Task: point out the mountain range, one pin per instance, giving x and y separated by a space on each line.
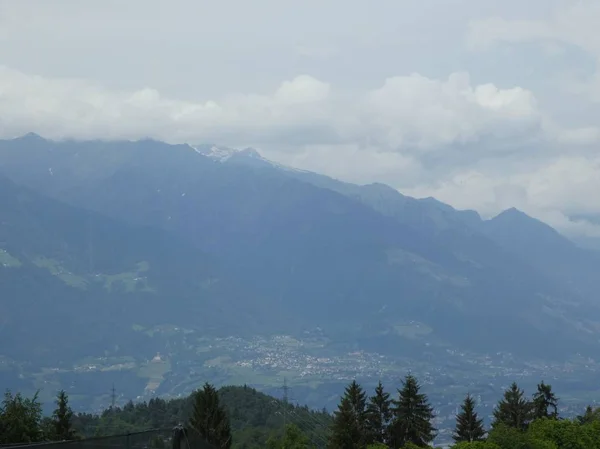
99 239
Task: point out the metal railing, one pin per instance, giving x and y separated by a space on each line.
147 439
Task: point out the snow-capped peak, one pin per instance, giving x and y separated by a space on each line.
231 155
220 154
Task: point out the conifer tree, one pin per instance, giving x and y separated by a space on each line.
589 416
210 419
469 427
545 402
412 416
62 419
349 428
513 410
379 415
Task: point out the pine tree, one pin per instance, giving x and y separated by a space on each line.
412 416
589 416
349 428
543 400
209 419
514 410
62 419
379 416
469 427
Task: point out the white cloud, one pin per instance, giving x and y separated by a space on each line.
415 111
410 112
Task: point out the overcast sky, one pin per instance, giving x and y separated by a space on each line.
483 104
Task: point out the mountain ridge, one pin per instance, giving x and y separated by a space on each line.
265 221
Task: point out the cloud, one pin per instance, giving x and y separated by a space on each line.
573 23
406 114
60 108
418 112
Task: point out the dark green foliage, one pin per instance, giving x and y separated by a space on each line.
588 416
293 438
254 417
349 428
476 445
564 433
345 433
469 427
379 415
514 410
545 402
20 419
507 437
62 419
412 416
20 422
209 418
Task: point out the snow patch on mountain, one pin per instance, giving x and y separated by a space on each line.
232 155
217 153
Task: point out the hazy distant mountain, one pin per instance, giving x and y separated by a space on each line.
353 260
545 249
464 232
74 283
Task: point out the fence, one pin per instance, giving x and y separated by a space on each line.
149 439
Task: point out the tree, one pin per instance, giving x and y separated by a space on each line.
412 416
349 428
209 419
20 419
62 419
589 416
514 410
507 437
543 400
476 445
469 427
379 415
564 433
293 438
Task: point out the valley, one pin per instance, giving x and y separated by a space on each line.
314 368
154 268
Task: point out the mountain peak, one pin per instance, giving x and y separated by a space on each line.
250 152
214 152
514 215
31 136
515 224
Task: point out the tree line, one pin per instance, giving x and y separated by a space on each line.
360 421
519 422
241 415
21 420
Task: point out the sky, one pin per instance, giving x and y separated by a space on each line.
482 104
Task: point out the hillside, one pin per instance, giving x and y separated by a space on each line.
77 285
255 417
